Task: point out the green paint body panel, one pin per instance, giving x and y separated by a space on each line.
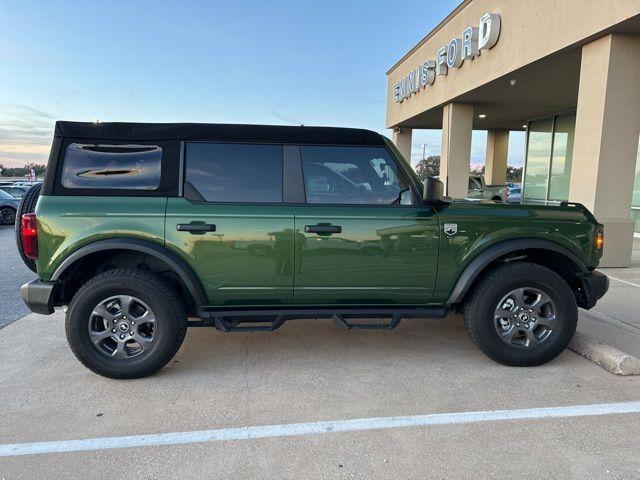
260 255
384 255
248 260
66 223
483 224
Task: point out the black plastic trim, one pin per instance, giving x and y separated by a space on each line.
196 227
219 132
494 252
293 181
595 285
269 319
38 296
191 194
179 266
49 180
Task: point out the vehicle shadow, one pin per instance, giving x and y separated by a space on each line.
320 340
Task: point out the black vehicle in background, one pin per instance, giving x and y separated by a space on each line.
14 190
8 207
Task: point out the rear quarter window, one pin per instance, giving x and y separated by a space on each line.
102 166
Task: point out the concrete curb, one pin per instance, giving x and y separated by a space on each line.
610 358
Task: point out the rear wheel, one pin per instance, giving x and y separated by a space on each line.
521 314
27 205
126 323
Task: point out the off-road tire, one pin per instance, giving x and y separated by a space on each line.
166 304
481 303
27 205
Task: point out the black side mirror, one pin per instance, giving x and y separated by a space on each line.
433 191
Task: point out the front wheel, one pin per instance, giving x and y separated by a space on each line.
125 323
521 314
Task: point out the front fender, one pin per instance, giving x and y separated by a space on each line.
481 226
473 268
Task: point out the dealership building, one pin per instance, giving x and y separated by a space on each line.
565 71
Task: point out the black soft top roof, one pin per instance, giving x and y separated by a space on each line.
217 132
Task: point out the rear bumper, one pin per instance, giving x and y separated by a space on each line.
38 296
595 285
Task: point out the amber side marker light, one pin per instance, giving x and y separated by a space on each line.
600 237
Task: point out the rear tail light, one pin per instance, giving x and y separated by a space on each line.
30 235
599 240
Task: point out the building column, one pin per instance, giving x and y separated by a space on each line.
457 125
606 140
402 140
495 170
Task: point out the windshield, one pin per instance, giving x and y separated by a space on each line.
4 194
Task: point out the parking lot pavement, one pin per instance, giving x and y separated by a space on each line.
311 371
614 320
13 274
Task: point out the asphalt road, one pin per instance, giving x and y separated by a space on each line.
13 274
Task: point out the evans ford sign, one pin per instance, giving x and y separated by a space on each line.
473 41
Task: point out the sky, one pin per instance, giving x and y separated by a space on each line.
273 62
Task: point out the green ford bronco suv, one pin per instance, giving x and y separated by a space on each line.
141 230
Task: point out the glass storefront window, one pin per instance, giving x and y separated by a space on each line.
561 158
635 199
536 177
548 159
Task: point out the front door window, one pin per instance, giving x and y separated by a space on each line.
352 176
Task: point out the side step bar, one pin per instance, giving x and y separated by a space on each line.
268 320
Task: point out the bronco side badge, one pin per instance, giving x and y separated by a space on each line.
450 228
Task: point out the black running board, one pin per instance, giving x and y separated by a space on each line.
268 320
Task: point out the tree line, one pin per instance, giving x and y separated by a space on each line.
430 167
39 170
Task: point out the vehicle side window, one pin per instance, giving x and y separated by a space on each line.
352 175
474 184
130 167
238 173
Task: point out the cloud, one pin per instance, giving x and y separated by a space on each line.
280 116
29 112
25 134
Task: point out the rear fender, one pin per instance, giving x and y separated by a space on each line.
178 265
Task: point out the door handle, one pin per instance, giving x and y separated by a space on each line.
322 228
196 227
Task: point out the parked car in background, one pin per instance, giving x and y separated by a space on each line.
26 183
515 194
478 189
8 207
14 191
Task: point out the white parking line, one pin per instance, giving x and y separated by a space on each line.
298 429
624 281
